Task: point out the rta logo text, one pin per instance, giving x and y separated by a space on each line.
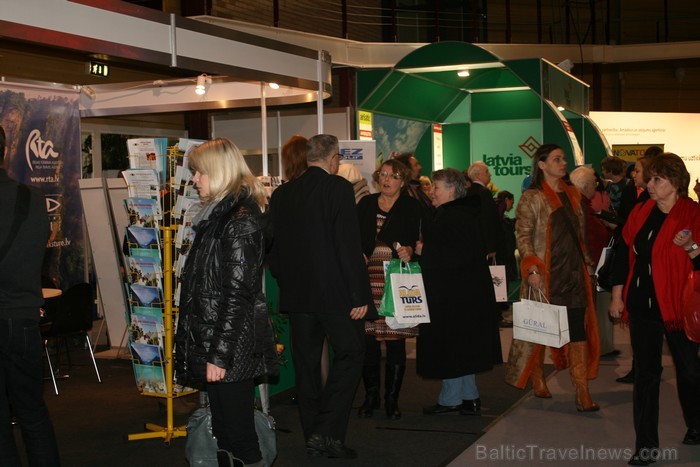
52 204
530 147
38 148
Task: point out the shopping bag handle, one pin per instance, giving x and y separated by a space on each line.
541 295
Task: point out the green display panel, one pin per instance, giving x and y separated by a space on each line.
507 148
528 70
445 54
286 378
563 89
554 133
456 146
513 105
366 81
424 151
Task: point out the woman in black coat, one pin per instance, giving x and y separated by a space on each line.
462 337
224 338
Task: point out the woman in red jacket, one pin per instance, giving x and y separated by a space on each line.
654 263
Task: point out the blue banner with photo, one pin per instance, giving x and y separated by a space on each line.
42 125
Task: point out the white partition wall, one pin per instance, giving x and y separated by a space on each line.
675 132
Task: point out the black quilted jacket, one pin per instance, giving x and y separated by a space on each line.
223 315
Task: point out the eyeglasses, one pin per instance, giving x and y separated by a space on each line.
340 156
394 175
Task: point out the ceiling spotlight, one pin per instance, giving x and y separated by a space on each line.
274 85
560 108
202 82
463 73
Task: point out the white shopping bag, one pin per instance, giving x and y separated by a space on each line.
500 284
540 323
410 302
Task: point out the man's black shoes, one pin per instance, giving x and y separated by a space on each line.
471 407
318 445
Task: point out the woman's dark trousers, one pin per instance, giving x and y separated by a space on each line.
232 419
647 341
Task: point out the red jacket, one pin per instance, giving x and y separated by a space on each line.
672 265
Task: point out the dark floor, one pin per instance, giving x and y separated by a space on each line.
92 422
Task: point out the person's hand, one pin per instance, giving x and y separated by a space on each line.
616 307
535 281
405 253
419 247
358 312
214 373
684 239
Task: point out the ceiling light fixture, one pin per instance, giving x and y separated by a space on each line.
560 108
463 73
202 82
274 85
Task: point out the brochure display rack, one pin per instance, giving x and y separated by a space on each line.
157 240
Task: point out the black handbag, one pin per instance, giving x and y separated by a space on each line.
605 271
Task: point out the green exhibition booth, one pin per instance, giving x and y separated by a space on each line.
485 108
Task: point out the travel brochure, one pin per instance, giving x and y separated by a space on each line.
145 270
143 212
143 241
142 183
150 379
149 153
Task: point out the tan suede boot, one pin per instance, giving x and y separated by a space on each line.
539 386
578 356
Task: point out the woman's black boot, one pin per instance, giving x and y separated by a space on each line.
370 377
394 378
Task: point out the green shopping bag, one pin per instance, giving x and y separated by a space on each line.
396 266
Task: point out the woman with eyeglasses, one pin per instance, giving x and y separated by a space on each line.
390 223
556 262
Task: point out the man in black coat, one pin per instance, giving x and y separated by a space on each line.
492 234
24 231
491 229
317 259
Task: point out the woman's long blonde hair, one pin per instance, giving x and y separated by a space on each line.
228 172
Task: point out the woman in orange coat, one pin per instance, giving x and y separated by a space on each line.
555 260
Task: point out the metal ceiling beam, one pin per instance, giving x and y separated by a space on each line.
130 32
386 55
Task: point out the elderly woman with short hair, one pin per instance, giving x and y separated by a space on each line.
463 336
653 264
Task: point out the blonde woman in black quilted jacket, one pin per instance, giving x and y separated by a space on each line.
224 338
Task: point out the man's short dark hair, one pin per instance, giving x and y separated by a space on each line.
320 147
653 151
2 144
613 164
